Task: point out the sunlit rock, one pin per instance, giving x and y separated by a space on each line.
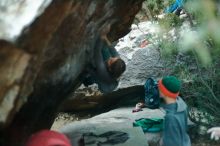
15 15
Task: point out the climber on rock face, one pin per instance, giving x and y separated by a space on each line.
115 65
109 67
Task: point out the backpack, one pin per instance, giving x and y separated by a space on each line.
149 124
151 97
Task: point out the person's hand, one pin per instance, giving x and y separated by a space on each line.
215 133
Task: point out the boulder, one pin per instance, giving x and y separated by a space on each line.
116 123
55 50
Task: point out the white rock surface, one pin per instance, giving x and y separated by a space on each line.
118 120
16 14
144 61
141 61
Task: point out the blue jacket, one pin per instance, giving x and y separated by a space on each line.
175 124
174 6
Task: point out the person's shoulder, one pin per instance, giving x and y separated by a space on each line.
181 105
179 98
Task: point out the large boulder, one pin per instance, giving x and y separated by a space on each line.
141 53
56 49
116 124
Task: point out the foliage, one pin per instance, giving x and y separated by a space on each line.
157 6
170 21
205 48
193 55
150 10
200 89
201 46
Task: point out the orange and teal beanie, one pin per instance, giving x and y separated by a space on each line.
169 86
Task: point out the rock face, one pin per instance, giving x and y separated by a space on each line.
143 60
84 101
49 58
145 63
141 54
13 66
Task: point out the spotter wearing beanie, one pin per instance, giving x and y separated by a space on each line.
48 138
169 86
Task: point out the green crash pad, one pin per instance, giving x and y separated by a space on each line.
149 124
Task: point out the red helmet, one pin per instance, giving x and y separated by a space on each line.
48 138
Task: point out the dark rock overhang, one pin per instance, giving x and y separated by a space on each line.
48 59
